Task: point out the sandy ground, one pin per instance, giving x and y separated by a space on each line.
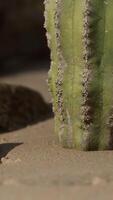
35 166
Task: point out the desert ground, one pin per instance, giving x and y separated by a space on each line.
35 166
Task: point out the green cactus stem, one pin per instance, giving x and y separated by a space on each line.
80 36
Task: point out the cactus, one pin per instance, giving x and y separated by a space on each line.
80 36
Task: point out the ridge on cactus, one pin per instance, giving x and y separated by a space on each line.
80 36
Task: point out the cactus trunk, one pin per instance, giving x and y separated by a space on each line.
80 36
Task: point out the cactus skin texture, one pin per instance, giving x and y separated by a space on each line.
80 36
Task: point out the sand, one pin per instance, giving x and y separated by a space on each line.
35 166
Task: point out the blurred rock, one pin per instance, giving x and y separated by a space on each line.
21 106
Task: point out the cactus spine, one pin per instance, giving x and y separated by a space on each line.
80 36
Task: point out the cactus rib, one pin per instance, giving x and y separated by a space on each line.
80 38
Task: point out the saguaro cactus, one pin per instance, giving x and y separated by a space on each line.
80 36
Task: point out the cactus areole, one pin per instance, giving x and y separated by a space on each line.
80 36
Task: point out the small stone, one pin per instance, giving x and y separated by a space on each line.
98 181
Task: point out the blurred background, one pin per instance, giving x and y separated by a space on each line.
22 36
24 62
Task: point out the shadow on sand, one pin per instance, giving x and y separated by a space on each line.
6 148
